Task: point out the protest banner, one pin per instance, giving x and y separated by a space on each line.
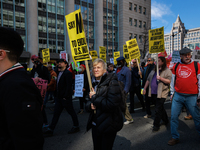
42 86
133 49
195 55
63 55
79 82
156 40
126 55
175 56
116 55
93 55
102 53
79 48
46 55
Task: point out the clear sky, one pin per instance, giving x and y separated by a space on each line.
165 12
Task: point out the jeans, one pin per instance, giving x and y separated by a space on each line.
60 104
190 101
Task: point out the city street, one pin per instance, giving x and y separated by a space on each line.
137 136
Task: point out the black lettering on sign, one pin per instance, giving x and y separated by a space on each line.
156 43
81 41
71 24
79 23
74 44
45 52
84 49
126 56
75 51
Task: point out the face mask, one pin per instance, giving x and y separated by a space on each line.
36 62
80 70
119 64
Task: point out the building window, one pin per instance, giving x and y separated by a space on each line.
140 9
135 7
144 25
130 21
140 38
130 6
140 24
144 11
130 36
195 34
135 36
135 22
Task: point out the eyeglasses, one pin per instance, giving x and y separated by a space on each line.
148 60
5 50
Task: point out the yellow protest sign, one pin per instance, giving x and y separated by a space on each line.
156 40
133 49
116 55
102 53
126 54
46 55
93 55
79 48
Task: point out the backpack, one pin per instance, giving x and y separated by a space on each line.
123 94
123 101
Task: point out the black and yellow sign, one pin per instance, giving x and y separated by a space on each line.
126 54
46 55
116 55
133 49
77 38
102 53
93 55
156 40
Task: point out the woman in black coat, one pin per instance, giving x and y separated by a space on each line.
106 117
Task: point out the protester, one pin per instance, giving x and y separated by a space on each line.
185 89
111 68
63 99
82 100
150 66
135 86
51 87
142 66
124 75
20 111
158 91
105 118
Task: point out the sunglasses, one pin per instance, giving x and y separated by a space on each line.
148 60
134 62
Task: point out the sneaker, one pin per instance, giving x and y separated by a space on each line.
155 128
147 116
48 132
188 117
173 141
80 112
74 130
128 122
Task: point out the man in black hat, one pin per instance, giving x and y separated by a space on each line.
63 98
124 75
185 89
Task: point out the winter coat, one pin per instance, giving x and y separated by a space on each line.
52 84
108 117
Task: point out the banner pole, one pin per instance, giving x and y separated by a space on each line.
88 75
139 68
157 64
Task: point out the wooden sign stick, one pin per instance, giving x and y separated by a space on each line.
88 75
139 68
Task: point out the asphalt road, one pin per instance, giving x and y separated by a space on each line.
135 136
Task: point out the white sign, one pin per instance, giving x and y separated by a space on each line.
196 55
79 82
63 55
175 56
112 61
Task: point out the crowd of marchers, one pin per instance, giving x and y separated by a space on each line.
23 116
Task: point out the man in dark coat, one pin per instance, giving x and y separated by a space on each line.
20 102
63 98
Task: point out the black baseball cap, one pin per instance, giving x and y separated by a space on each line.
62 60
185 50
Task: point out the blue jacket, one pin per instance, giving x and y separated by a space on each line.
125 76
